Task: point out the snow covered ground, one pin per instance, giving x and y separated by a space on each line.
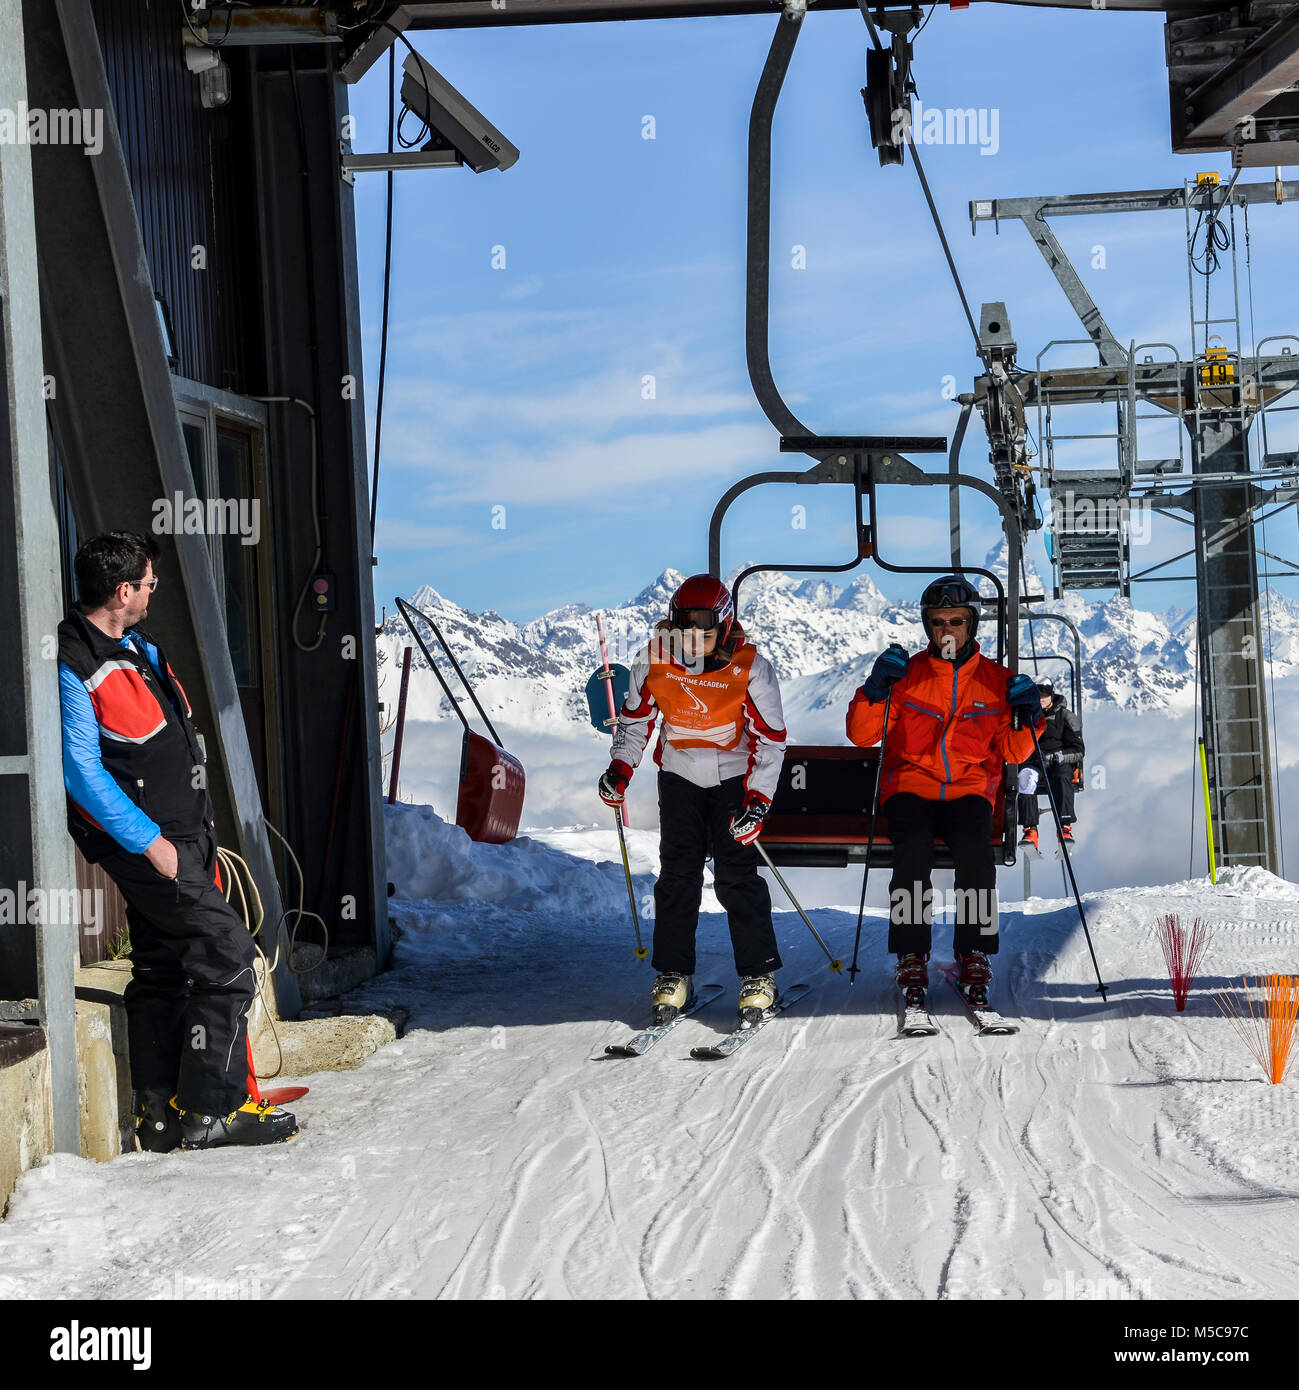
1106 1151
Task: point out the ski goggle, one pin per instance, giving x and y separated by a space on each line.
702 618
948 594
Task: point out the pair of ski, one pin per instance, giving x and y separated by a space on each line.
641 1043
918 1022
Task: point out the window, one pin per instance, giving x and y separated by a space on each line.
225 442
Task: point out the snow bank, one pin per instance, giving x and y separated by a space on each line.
432 860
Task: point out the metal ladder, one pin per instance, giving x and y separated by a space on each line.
1088 505
1238 794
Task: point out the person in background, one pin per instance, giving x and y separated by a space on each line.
1061 745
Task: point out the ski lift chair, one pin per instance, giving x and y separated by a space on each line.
820 816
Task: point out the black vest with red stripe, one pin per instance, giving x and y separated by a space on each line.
146 740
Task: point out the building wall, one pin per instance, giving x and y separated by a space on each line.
274 312
191 186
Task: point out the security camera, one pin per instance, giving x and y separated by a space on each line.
451 121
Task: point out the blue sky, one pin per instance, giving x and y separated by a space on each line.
522 387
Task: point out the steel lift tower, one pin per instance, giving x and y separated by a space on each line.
1212 400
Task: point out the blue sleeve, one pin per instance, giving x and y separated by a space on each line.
87 781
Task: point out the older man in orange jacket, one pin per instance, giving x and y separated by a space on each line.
950 734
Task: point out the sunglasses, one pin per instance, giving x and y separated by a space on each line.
947 622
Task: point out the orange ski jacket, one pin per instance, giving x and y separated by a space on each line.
949 731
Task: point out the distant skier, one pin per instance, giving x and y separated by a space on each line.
719 756
1061 742
949 736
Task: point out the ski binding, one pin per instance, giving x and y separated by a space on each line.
917 1022
988 1021
641 1043
723 1047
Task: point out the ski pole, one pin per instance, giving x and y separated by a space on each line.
870 839
641 952
835 964
1064 850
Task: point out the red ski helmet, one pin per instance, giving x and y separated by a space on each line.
705 602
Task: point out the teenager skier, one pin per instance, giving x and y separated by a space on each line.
949 735
719 754
1062 748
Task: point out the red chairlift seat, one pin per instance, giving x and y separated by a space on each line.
489 801
820 816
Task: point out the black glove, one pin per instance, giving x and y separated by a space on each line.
746 824
1024 701
889 668
614 783
1053 757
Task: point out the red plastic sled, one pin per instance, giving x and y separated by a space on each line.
491 791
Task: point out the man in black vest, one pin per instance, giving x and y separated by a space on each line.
1061 742
138 807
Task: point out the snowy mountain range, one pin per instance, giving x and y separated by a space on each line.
821 638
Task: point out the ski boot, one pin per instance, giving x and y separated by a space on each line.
254 1122
757 995
912 970
669 995
912 976
1066 834
974 975
157 1122
1029 837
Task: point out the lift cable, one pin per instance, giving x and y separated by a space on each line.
394 135
951 263
933 211
870 23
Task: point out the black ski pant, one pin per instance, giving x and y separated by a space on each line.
965 826
1060 776
694 822
192 979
